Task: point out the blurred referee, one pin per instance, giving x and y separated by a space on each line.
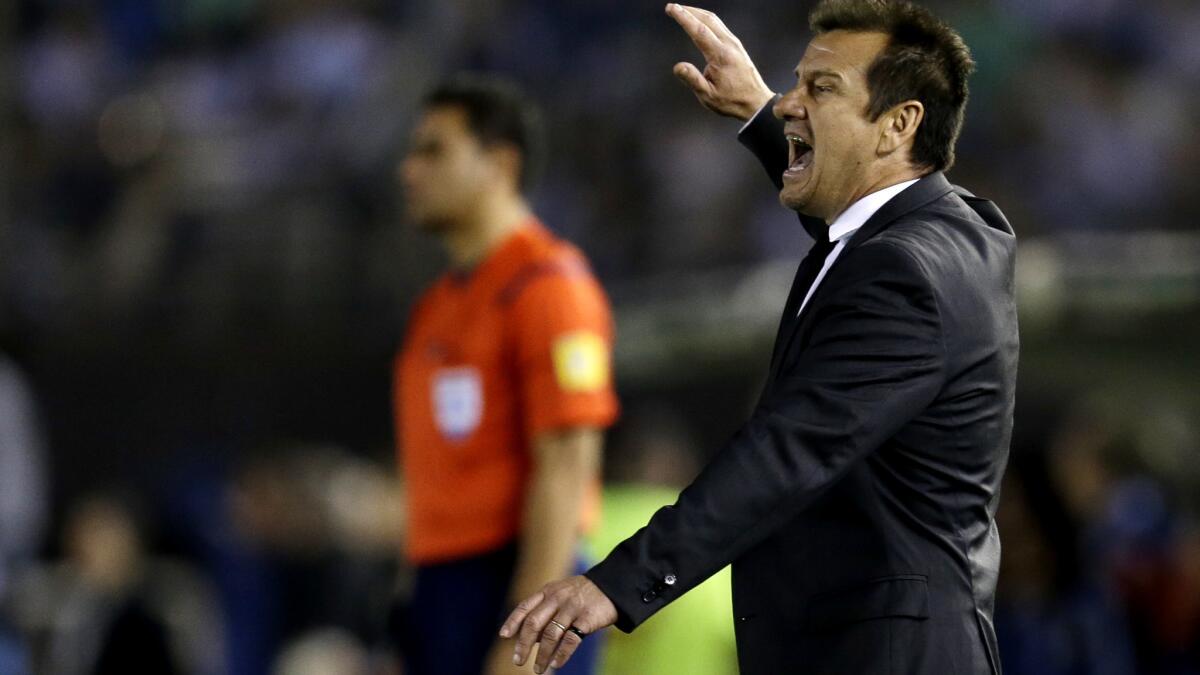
502 386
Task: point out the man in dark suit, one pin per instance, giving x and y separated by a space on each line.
856 504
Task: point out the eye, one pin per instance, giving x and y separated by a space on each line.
822 88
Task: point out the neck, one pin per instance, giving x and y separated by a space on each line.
886 180
484 228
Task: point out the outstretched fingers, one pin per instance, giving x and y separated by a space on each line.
514 620
709 44
714 24
566 648
553 635
531 629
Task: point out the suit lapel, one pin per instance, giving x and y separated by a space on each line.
931 187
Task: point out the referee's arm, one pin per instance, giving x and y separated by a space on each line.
566 462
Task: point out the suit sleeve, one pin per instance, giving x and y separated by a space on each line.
763 136
873 361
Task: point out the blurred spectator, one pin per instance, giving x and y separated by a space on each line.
1052 617
1142 526
1154 568
23 501
313 553
1097 543
324 652
111 608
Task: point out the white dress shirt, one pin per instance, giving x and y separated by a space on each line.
848 223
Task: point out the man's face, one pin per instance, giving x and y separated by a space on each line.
833 158
445 171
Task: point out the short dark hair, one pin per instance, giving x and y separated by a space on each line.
926 60
497 112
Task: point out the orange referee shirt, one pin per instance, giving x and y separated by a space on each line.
519 346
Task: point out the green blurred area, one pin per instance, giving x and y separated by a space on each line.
691 636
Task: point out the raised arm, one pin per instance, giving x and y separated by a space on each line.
730 84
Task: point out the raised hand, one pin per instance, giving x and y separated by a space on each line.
729 84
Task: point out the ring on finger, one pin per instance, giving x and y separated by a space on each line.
561 627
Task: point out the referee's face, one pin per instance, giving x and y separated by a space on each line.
445 171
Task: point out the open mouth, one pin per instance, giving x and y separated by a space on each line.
800 154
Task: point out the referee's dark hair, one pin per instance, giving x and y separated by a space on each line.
498 111
925 60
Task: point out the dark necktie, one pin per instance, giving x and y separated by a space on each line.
806 274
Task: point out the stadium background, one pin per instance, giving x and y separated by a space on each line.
203 277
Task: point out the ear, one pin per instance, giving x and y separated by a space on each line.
899 127
507 160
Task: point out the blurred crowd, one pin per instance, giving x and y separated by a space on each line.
1100 571
205 163
203 276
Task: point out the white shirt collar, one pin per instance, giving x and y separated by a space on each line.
861 211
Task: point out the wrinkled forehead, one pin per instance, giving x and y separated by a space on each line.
847 54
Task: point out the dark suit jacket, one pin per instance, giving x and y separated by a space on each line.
856 504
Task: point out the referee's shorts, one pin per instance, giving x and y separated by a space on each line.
453 617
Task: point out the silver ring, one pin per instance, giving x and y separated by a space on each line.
560 626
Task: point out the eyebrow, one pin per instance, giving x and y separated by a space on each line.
820 72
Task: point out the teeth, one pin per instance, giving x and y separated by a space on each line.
796 140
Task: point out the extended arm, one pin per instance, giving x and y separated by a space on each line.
873 363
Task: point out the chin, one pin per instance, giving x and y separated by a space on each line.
793 201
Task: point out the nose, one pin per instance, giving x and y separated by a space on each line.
790 106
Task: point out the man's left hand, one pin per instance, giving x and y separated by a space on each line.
546 617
